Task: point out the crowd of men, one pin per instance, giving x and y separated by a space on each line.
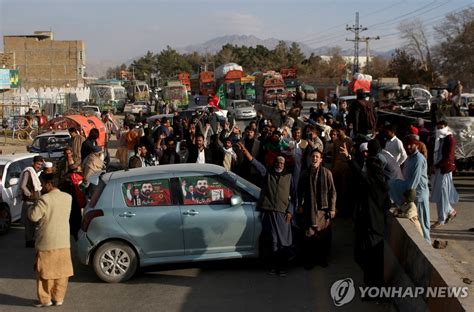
337 161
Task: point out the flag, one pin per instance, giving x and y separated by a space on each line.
221 95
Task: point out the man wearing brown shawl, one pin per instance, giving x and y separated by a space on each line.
317 206
53 251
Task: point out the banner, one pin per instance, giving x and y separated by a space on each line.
4 78
222 98
14 79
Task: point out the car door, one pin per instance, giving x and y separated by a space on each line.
149 216
11 191
210 223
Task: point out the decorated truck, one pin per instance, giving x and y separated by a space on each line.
248 88
175 94
270 86
185 80
228 77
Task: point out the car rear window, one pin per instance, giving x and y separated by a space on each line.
96 193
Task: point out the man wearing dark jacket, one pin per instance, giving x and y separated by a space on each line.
274 202
317 206
169 155
198 153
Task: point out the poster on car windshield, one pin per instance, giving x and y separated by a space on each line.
147 193
204 190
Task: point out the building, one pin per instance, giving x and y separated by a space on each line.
45 62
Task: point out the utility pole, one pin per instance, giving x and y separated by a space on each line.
367 53
356 29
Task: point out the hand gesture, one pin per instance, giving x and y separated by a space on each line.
343 150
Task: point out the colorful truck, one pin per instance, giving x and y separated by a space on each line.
175 94
248 88
228 77
184 78
269 87
207 84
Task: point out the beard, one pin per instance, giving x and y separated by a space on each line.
147 193
278 170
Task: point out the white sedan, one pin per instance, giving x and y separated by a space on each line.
136 107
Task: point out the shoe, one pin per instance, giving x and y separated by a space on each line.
282 273
436 225
58 303
43 305
451 216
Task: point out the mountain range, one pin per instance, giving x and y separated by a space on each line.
98 68
214 45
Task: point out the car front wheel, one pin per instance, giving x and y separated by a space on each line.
115 262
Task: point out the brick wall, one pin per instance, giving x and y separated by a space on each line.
45 62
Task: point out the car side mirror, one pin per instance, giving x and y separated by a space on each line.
28 148
236 200
13 181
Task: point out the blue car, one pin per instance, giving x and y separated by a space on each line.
168 214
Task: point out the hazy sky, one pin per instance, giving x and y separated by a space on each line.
121 30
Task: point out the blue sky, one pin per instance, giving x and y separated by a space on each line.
124 29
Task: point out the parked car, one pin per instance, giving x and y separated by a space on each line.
11 167
241 109
467 104
167 214
136 107
309 93
51 144
91 109
78 105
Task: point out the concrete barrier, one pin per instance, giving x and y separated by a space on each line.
411 262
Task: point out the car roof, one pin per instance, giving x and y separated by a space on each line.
176 169
17 156
90 106
467 94
49 133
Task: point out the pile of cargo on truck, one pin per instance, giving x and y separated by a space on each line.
228 78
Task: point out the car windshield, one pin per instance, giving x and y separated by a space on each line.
241 104
89 109
48 143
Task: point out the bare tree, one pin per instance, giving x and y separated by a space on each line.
454 54
415 36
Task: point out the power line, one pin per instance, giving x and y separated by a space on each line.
325 37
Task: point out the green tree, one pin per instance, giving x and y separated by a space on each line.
280 55
295 56
404 66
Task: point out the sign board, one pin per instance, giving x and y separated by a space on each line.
4 78
14 79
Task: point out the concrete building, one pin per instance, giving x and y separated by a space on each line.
45 62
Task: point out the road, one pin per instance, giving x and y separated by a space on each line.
236 285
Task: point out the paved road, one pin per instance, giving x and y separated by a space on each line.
237 285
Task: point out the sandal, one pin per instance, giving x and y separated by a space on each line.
451 216
435 225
